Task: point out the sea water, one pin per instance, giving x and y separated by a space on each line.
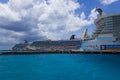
60 67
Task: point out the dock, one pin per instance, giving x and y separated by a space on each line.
57 52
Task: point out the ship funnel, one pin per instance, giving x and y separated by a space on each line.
99 10
72 37
25 41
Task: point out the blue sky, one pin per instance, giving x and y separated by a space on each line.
3 1
48 19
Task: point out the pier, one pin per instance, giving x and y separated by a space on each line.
57 52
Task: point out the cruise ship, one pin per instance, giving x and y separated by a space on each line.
105 37
49 45
107 33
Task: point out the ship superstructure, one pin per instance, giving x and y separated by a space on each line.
55 45
107 33
20 47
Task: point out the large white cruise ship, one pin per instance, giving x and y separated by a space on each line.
107 33
49 45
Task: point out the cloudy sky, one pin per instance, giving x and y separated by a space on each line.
48 19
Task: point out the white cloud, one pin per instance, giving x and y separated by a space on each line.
7 13
40 19
107 2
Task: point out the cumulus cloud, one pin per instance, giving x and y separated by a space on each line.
107 2
41 19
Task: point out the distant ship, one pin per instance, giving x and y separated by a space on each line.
107 33
49 45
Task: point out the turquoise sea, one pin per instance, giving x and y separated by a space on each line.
60 67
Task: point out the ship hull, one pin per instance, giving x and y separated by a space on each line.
93 45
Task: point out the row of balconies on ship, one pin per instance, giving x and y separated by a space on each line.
102 31
107 18
45 48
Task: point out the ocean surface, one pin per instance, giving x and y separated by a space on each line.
60 67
